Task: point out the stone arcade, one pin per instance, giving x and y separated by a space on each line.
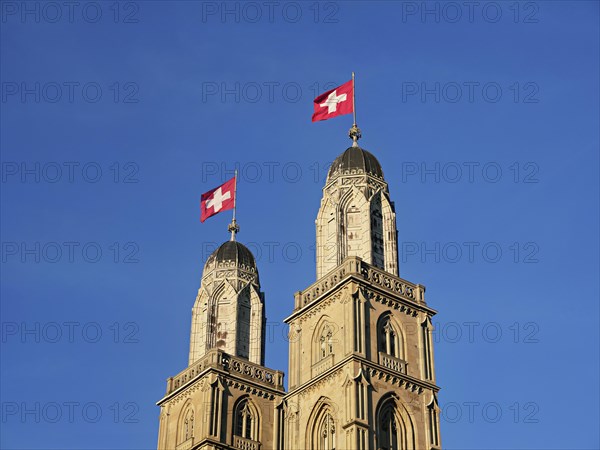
361 371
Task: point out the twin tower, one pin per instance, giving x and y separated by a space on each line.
361 371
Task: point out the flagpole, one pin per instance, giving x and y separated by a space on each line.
234 227
354 132
234 192
353 99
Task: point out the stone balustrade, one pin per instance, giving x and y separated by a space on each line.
392 363
221 360
355 266
322 365
245 444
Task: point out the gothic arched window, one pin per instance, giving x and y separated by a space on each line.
427 357
325 437
395 430
326 342
388 429
389 338
246 420
211 329
187 426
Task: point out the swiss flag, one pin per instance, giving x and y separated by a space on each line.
335 102
218 199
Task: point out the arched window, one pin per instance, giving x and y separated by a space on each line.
211 328
246 420
427 357
395 430
390 340
326 432
388 434
326 342
321 429
187 426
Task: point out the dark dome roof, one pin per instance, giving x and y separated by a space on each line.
356 160
232 251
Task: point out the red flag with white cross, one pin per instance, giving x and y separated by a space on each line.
218 199
333 103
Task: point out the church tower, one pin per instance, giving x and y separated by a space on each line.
361 371
229 312
356 217
225 398
361 368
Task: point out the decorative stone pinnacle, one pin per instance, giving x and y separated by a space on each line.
233 228
355 135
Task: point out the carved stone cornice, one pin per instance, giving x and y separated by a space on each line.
245 387
203 384
368 187
399 379
230 271
384 286
390 301
394 379
246 373
354 177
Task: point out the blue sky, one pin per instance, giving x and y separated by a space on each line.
484 118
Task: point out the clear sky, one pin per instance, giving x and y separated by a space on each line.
117 116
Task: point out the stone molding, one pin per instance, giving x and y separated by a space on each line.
395 291
251 376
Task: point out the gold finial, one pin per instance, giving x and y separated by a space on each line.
233 228
355 135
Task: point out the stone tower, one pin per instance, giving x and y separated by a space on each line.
225 398
361 372
356 217
229 312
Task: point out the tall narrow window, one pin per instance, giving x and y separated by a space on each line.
427 360
361 399
187 427
326 342
353 231
395 429
281 412
377 232
389 430
358 325
214 413
211 329
322 425
246 421
326 433
389 339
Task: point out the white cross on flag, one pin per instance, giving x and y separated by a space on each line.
335 102
218 199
